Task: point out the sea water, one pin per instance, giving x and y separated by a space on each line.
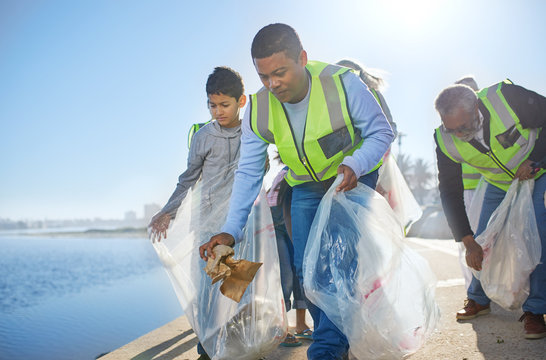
77 297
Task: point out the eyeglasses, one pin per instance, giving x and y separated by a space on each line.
469 127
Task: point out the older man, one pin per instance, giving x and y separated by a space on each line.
498 132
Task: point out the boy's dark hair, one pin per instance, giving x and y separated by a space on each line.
227 81
276 38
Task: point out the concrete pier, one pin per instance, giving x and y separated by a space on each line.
491 337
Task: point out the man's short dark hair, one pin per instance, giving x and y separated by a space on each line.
276 38
227 81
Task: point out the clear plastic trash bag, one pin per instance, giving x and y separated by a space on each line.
370 284
511 247
475 208
473 214
392 185
226 329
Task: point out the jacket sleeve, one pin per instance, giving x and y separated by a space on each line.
248 179
530 108
452 195
188 178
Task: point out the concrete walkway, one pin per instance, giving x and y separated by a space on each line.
495 336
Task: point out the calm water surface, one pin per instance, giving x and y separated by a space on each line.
76 298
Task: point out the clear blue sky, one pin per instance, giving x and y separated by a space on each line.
96 97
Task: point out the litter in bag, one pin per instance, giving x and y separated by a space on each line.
226 329
392 185
511 247
235 275
370 284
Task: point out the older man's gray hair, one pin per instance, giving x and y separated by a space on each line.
455 97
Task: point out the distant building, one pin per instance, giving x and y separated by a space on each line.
130 216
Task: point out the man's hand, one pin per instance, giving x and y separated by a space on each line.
219 239
525 171
474 252
349 178
159 224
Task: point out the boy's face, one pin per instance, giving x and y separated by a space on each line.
225 109
283 76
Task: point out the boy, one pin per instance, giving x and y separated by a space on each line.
214 149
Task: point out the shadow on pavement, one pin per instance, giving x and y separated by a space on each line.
172 354
500 336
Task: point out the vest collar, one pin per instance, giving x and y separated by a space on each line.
485 117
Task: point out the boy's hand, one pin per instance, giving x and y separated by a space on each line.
159 225
219 239
349 178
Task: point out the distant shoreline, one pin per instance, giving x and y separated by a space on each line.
124 232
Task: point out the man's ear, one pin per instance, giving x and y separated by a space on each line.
242 101
303 58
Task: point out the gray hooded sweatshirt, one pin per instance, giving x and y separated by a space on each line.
214 153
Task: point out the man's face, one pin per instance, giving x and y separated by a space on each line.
283 76
462 124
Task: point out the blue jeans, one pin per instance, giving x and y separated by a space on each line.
289 281
536 301
328 341
200 349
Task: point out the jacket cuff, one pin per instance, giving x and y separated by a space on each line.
353 164
236 233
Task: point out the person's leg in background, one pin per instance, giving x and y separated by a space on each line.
285 250
284 246
300 303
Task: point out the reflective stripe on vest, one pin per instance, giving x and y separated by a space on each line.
510 144
471 177
327 139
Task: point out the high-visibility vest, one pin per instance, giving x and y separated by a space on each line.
195 128
509 143
328 137
471 177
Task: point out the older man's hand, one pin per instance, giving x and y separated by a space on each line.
474 252
525 171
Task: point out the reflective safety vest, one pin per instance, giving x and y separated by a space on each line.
471 177
329 135
509 143
195 128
